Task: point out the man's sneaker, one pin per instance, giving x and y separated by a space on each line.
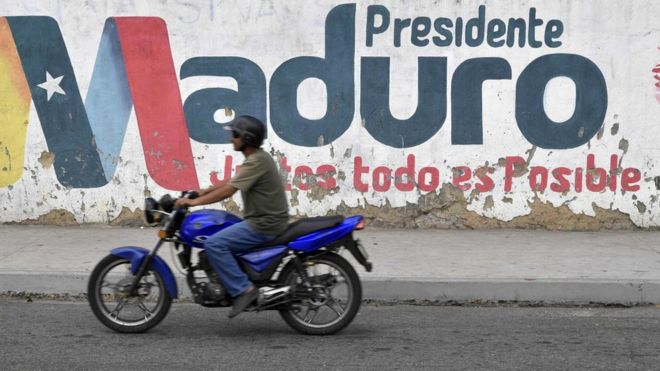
243 301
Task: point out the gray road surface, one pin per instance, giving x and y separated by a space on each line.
65 335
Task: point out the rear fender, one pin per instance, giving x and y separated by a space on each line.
315 240
136 255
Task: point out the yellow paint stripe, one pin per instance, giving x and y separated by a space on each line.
14 109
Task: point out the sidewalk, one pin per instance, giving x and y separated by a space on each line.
493 265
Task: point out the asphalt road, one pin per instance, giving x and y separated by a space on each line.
65 335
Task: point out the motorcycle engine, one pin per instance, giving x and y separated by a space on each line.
214 291
211 292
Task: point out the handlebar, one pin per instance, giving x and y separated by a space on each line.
190 194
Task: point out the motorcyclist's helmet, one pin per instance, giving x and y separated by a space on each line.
250 129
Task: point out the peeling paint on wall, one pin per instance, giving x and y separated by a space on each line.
53 217
46 159
128 218
448 211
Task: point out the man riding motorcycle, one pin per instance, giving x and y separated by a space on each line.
266 211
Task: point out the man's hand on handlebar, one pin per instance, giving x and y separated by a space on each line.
187 199
206 196
184 202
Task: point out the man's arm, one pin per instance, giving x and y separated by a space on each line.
202 192
211 195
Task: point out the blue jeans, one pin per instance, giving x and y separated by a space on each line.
220 248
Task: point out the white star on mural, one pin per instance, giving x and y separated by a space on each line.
52 85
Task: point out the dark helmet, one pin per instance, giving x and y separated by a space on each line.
250 129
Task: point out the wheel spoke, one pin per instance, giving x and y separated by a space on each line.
332 304
308 321
118 308
146 312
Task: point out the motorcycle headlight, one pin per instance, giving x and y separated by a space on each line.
166 203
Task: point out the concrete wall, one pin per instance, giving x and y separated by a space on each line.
446 114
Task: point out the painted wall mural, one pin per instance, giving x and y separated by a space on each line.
656 76
85 139
448 115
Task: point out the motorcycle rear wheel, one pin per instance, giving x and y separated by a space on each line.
111 303
336 295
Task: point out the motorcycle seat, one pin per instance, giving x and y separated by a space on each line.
305 226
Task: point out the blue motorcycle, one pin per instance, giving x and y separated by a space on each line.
301 273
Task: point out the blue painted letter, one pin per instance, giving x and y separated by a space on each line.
335 70
202 104
466 102
590 101
431 102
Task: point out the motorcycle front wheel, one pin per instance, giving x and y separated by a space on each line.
108 292
332 300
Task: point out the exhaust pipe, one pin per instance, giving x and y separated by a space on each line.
268 294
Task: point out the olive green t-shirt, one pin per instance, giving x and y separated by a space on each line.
266 207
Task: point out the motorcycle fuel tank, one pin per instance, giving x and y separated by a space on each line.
202 224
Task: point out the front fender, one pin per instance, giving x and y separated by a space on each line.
136 255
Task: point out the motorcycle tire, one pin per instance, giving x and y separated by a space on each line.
99 293
323 286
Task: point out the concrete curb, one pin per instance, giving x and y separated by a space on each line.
627 292
551 292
